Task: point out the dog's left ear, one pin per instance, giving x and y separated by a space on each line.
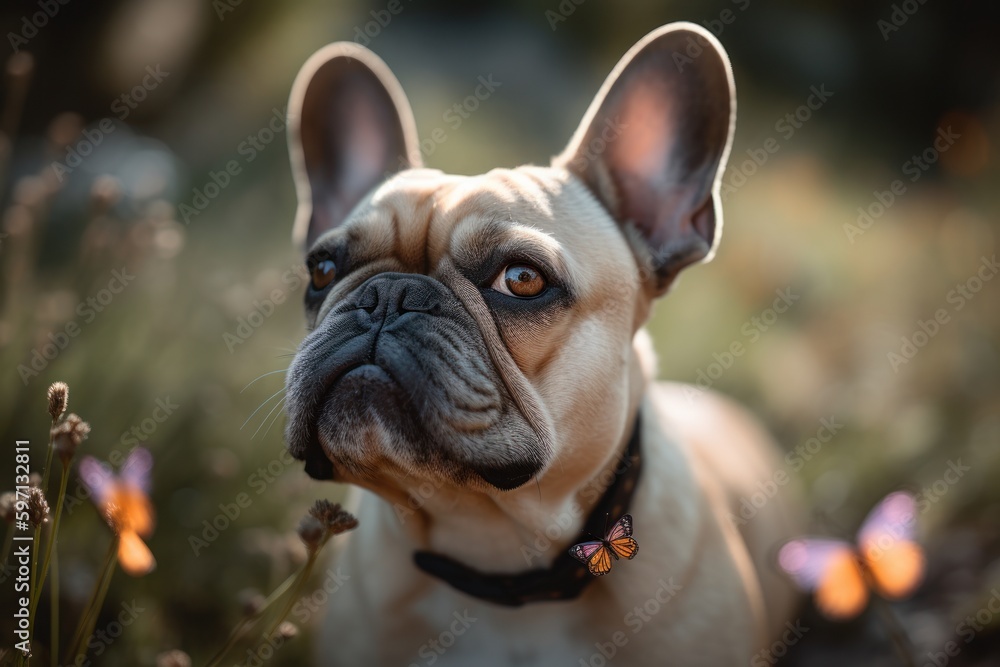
653 145
350 125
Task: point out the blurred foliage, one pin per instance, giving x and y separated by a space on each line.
167 338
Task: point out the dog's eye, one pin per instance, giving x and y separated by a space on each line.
323 272
520 280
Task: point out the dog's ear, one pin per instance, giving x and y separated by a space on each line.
350 125
653 145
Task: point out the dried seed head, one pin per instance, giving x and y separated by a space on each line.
311 531
286 630
333 517
34 479
7 501
38 507
173 658
58 399
67 436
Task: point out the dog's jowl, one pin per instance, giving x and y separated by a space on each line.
475 357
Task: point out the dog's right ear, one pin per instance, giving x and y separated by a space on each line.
653 145
350 124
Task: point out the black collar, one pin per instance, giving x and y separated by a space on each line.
566 578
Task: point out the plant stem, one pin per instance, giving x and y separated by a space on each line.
54 605
31 586
299 582
247 623
896 633
36 592
8 541
110 560
95 612
48 459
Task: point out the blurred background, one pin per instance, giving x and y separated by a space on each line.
856 271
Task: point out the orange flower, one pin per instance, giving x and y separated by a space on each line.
124 501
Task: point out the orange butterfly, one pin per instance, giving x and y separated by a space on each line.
124 501
618 543
886 560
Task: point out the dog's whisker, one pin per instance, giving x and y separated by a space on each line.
259 407
267 416
264 375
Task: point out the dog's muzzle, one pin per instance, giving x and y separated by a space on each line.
402 355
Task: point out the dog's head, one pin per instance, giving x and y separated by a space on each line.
477 331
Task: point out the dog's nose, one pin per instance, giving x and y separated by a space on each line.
389 295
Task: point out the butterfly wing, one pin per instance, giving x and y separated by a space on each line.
895 518
135 470
830 569
842 593
134 556
583 551
96 477
596 555
887 544
622 528
899 571
600 563
625 547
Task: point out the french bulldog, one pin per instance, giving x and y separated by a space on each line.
476 368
